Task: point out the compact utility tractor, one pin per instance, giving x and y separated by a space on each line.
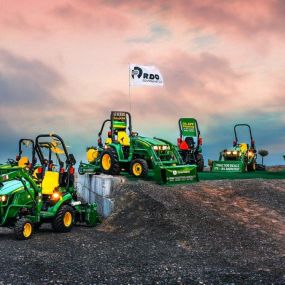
125 150
240 158
25 204
190 142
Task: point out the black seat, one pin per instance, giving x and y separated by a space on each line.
190 142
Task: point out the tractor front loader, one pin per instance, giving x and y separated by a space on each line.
125 150
240 158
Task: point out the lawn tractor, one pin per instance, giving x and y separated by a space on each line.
125 150
25 204
190 142
240 158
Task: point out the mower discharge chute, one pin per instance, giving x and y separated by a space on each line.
190 142
240 158
125 150
25 203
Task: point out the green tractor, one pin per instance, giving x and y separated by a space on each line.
190 142
125 150
25 204
240 158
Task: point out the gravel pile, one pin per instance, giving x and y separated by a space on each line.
212 232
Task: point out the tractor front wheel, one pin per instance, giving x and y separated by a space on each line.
200 162
23 229
139 168
64 219
109 162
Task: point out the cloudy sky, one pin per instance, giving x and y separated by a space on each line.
64 67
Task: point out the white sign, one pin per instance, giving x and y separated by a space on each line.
145 75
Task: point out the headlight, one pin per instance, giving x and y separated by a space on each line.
250 153
3 198
235 152
229 152
161 147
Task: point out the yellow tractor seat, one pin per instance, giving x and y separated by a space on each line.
108 140
50 182
243 147
23 162
123 138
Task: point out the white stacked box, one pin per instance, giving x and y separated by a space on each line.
98 188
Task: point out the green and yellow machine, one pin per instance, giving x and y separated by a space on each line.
125 150
240 158
26 203
190 142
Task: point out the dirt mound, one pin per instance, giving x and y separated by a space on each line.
212 232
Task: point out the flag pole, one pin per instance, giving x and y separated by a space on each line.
130 99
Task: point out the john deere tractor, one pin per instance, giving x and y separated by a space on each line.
190 142
25 204
240 158
125 150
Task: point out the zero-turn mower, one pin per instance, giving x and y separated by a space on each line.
190 142
240 158
25 204
125 150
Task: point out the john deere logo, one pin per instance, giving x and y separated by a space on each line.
174 172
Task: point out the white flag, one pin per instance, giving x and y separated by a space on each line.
145 75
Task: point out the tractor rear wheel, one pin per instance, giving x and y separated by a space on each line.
139 168
251 167
109 162
64 219
23 229
200 162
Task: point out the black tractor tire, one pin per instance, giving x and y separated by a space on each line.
23 229
63 220
251 167
139 168
114 168
200 162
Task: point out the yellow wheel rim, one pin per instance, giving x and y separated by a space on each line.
67 219
106 161
27 230
137 169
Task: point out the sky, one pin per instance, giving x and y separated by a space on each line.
64 67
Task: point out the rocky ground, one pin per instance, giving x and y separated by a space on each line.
212 232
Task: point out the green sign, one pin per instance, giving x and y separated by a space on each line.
188 127
119 119
228 166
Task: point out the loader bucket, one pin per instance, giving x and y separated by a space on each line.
176 174
228 166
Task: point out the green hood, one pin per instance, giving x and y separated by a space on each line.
9 187
151 141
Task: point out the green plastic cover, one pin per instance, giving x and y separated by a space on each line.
119 119
188 127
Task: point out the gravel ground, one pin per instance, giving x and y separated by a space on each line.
212 232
